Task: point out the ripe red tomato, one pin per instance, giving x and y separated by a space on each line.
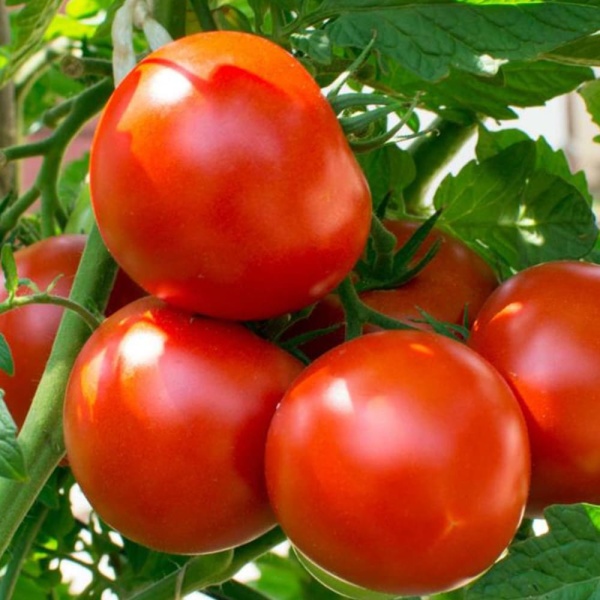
399 461
222 182
165 420
452 286
541 330
30 330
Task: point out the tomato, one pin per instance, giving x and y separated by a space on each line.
30 330
165 420
452 288
222 182
399 462
541 330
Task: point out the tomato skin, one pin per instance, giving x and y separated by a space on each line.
541 330
222 182
30 330
456 280
165 420
399 462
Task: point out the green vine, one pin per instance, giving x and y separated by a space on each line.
45 297
80 110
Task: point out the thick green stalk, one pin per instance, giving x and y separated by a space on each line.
41 438
431 154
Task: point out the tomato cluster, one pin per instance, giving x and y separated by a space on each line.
399 461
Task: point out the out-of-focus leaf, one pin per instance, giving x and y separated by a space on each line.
12 462
29 26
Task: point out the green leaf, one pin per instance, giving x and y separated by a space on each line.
547 159
585 51
283 577
590 93
234 590
28 28
516 213
556 162
315 44
388 170
81 219
6 361
491 143
72 182
563 564
521 84
85 9
66 26
29 589
430 39
12 462
47 92
9 269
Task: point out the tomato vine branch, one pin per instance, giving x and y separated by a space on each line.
52 148
46 298
359 314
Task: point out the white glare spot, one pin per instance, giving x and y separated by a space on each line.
168 86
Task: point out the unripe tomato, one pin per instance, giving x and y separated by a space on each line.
165 421
541 330
222 182
399 462
30 330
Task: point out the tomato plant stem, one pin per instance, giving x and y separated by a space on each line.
41 437
83 108
45 298
431 154
358 313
